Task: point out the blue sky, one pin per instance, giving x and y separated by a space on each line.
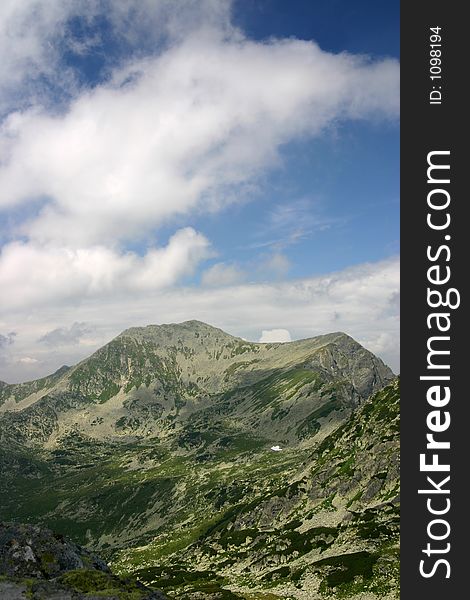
360 214
362 26
343 196
236 162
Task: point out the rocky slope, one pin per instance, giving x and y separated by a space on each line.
157 450
38 564
328 528
150 381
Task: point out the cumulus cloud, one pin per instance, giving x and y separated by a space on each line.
275 335
355 300
28 360
34 274
26 30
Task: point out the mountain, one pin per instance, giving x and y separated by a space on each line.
151 381
211 466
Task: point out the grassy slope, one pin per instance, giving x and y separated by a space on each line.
331 529
233 515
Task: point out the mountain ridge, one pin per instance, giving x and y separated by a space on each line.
138 331
156 380
171 335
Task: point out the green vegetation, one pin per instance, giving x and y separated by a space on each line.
346 568
101 584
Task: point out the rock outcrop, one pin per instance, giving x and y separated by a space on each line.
37 564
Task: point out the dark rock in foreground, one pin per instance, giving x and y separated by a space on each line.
37 564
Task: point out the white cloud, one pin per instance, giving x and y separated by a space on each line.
7 340
35 33
358 301
207 114
222 274
275 335
28 360
64 336
26 31
35 274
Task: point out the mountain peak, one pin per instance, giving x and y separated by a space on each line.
175 329
194 327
